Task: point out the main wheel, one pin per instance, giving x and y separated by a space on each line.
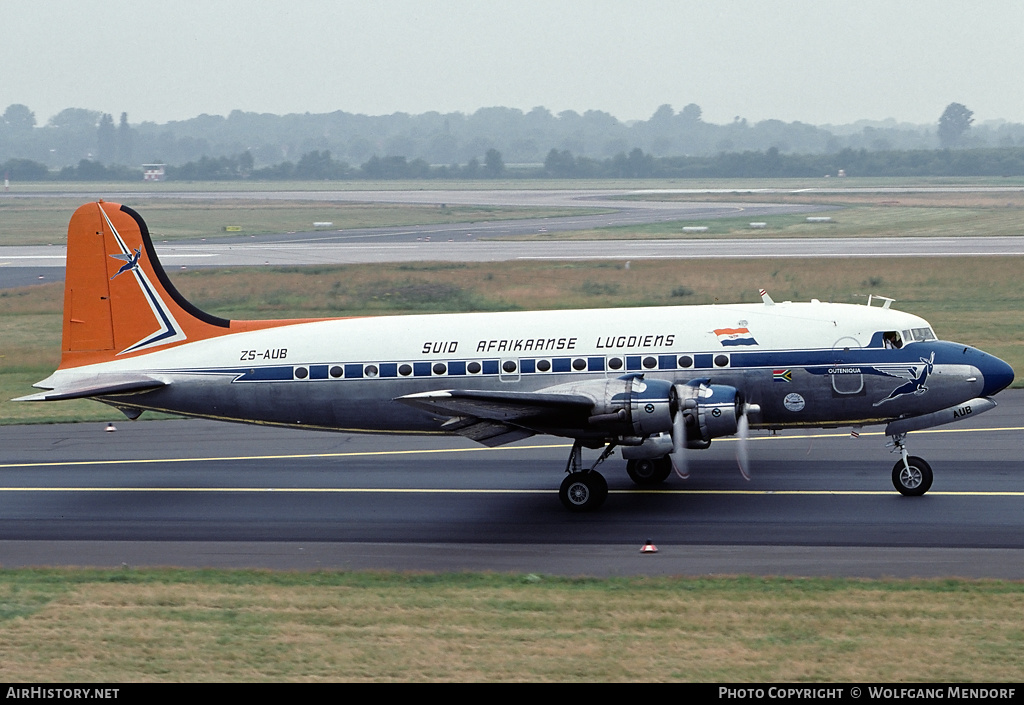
649 471
912 479
583 491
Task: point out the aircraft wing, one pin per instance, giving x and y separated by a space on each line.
97 386
496 418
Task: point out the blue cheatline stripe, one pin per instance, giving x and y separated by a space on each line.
817 362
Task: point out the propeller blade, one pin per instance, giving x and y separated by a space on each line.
678 454
742 455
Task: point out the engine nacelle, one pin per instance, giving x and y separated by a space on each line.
629 407
712 410
634 410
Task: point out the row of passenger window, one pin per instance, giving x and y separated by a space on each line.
629 363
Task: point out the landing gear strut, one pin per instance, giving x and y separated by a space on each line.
911 476
584 490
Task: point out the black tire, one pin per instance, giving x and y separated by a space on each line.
915 481
646 472
600 486
583 491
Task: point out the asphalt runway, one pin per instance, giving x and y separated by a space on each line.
22 266
200 493
479 242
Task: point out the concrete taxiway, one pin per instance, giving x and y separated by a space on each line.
200 493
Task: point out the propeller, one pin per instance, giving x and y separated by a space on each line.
678 454
743 435
681 402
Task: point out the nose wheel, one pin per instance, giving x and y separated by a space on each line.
913 477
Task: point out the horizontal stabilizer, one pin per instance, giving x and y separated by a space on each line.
97 386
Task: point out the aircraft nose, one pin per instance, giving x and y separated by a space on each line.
998 375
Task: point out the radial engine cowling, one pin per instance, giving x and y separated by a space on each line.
712 410
634 409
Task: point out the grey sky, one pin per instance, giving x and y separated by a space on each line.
817 61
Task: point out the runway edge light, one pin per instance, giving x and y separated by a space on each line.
649 547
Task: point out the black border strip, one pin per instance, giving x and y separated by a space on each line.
161 276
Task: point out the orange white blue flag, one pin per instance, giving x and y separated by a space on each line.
735 336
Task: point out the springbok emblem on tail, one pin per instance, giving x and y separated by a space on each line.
131 262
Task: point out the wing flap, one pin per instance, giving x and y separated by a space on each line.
498 406
485 432
495 418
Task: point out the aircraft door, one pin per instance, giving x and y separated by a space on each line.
846 378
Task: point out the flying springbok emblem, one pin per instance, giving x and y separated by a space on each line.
131 262
916 383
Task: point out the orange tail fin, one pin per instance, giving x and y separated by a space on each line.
117 299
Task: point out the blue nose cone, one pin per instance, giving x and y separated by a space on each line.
998 375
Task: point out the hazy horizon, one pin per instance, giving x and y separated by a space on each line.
833 63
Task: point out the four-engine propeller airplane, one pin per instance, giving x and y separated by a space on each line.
651 381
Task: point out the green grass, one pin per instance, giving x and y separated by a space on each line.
203 625
738 184
861 213
40 221
847 222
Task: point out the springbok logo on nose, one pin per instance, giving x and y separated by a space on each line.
916 383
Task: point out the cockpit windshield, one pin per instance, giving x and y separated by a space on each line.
918 335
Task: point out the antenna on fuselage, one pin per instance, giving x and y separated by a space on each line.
767 299
886 299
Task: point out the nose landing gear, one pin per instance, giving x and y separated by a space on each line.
911 475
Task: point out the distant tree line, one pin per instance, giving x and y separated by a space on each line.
563 164
440 141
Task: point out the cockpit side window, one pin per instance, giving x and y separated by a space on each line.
892 339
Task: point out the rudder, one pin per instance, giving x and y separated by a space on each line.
118 300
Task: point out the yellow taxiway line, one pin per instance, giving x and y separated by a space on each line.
426 451
438 490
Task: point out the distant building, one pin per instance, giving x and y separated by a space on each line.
153 172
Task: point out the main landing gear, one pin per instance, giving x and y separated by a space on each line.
911 476
584 490
647 472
